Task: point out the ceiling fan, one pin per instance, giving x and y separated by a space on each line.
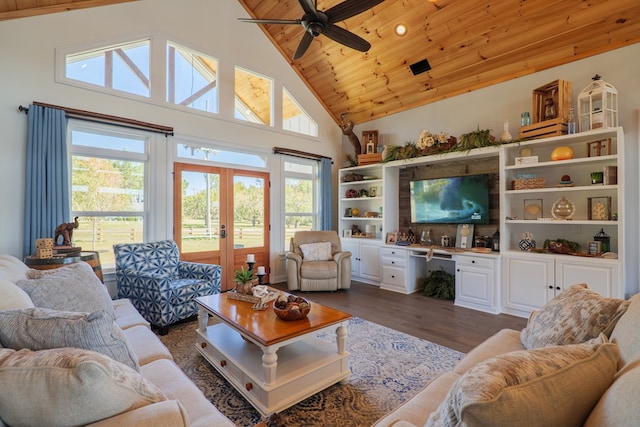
316 22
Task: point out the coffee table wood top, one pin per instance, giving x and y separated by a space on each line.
263 325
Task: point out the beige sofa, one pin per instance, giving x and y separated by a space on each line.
82 386
541 376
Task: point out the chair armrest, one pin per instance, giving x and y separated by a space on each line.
339 256
197 270
294 257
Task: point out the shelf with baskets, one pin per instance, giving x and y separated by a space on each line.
360 202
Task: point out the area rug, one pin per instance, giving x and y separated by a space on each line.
387 368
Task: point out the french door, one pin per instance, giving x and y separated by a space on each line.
221 216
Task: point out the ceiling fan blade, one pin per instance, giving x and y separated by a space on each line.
307 6
346 38
303 46
271 21
349 8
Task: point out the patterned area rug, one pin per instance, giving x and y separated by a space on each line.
387 368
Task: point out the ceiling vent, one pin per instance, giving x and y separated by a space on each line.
420 67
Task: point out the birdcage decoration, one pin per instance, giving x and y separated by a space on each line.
598 105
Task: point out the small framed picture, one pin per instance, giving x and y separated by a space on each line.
346 233
392 238
599 208
464 236
594 247
599 148
533 209
373 191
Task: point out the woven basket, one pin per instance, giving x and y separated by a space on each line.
528 183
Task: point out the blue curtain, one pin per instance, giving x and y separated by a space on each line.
326 195
47 175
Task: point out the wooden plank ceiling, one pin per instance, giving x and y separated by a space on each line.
469 44
12 9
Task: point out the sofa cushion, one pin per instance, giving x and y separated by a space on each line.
12 269
70 288
625 333
320 251
174 384
501 342
576 315
146 345
41 328
67 386
551 386
12 297
619 405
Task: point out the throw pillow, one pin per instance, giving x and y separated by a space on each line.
576 315
70 288
552 386
320 251
12 269
68 387
12 297
42 328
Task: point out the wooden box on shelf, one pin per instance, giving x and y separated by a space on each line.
369 142
367 159
557 92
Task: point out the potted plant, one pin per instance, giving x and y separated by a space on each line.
245 280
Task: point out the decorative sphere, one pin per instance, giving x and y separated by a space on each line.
355 211
562 153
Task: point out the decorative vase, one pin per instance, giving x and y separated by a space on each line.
527 245
506 136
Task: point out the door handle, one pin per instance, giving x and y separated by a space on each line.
223 232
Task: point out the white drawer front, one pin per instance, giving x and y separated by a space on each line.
393 276
478 262
395 262
393 252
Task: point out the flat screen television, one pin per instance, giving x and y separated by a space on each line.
453 200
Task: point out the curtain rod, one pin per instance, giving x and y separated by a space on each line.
104 118
297 153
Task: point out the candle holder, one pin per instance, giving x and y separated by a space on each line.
250 264
261 278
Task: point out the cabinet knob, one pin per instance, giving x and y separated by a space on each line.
203 345
393 262
393 277
248 386
457 269
473 261
223 363
550 287
557 288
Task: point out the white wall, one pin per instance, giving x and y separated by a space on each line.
27 48
488 108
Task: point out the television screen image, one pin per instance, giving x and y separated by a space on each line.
453 200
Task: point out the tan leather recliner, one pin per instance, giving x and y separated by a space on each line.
317 275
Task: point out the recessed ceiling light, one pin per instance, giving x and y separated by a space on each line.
400 30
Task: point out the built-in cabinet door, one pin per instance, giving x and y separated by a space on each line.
474 282
369 260
529 283
600 275
365 258
351 246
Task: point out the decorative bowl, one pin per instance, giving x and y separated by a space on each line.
291 307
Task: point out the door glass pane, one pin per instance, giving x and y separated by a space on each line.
248 211
200 212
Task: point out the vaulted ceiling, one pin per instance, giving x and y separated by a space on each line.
469 44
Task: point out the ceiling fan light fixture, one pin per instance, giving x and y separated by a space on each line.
400 30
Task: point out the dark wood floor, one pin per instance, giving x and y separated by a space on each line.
428 318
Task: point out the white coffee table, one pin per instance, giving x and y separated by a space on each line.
273 363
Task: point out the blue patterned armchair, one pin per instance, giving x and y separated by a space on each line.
159 285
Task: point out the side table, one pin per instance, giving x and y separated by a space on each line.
90 257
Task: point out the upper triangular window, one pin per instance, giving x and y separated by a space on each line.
294 118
